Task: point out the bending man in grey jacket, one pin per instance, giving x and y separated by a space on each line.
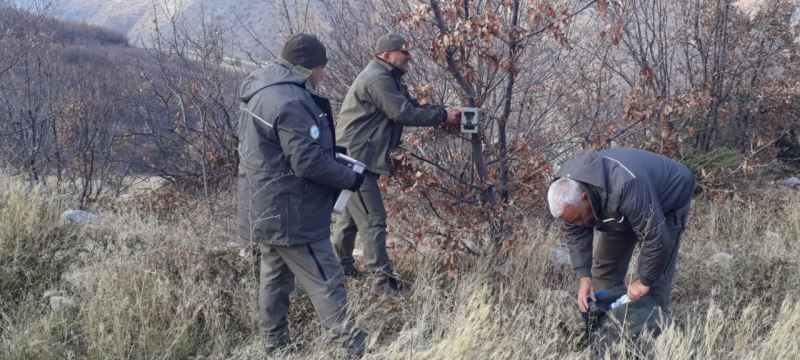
375 110
627 196
288 182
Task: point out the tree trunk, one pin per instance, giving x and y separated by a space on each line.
478 158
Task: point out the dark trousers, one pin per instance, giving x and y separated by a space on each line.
613 251
317 270
612 255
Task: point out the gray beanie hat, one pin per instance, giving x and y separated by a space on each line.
304 50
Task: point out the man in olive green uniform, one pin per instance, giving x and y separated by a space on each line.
374 112
288 182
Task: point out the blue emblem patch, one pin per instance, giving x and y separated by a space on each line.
314 131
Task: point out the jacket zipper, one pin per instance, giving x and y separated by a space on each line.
391 139
369 139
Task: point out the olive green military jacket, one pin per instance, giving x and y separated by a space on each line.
373 114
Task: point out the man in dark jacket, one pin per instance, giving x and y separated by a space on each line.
374 112
627 196
288 182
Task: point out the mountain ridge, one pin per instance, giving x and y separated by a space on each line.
137 18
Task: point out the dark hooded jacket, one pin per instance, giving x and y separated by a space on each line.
288 176
630 190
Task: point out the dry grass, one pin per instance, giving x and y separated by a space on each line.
181 287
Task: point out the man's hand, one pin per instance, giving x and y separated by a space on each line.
636 290
357 183
585 291
453 117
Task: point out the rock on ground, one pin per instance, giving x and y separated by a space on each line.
59 302
81 217
561 255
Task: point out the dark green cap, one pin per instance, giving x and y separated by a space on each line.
391 42
304 50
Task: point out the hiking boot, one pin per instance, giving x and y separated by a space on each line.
351 271
390 286
276 349
356 347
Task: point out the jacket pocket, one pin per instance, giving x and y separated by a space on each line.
314 213
268 202
615 225
318 201
360 148
294 225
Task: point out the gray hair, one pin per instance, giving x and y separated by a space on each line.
562 192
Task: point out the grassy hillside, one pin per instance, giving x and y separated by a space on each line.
181 286
82 106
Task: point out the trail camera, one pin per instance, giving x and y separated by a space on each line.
469 120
